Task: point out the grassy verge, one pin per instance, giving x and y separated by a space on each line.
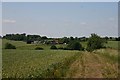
109 54
111 59
59 69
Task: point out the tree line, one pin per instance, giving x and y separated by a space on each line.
24 37
29 38
93 42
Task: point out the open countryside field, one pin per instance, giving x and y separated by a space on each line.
26 62
0 58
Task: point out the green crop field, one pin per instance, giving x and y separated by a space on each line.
26 62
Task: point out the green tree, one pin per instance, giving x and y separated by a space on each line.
74 45
95 42
71 38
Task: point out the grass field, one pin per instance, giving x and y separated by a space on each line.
25 62
113 44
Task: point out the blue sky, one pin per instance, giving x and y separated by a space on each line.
60 0
59 19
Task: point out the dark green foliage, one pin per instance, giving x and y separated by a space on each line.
44 37
60 48
71 38
83 39
74 45
38 48
33 37
0 37
64 40
95 42
117 39
16 37
65 48
29 42
22 37
53 47
9 46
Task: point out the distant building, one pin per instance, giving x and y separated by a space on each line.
48 41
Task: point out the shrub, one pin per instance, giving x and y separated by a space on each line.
60 48
38 48
74 45
53 47
9 46
95 42
65 48
29 42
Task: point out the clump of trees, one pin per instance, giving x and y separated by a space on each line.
9 46
75 45
117 39
33 37
16 37
95 42
24 37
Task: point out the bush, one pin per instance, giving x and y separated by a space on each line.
95 42
60 48
53 47
38 48
65 48
29 42
9 46
74 45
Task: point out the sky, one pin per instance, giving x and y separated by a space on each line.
59 19
60 0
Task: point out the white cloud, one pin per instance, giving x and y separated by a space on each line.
9 21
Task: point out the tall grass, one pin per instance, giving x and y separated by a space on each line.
106 53
35 63
59 69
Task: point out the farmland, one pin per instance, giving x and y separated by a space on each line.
0 58
26 62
